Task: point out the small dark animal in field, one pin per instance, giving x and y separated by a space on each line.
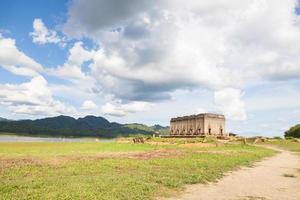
138 140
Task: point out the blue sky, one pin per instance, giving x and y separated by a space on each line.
136 61
16 22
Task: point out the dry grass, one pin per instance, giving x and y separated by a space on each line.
291 145
252 198
193 145
65 159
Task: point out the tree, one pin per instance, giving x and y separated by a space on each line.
293 132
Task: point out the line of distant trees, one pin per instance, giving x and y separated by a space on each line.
293 132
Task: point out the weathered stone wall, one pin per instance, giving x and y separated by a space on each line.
191 125
202 124
214 125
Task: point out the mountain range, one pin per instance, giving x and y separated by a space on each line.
69 126
3 119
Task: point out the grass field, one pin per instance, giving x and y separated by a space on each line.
291 144
112 171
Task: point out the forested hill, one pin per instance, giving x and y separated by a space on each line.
69 126
3 119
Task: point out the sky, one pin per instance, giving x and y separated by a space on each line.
147 61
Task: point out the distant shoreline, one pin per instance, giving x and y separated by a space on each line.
4 138
55 136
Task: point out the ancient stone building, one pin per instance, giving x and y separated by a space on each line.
201 124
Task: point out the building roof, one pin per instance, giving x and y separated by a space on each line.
201 115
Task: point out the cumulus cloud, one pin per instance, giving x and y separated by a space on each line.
15 61
78 83
201 110
89 17
88 105
78 54
230 103
32 98
156 48
42 35
119 110
71 69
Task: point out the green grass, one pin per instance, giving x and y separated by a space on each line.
46 170
67 148
291 145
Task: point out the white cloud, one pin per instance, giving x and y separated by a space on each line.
229 102
113 110
71 70
32 98
79 84
150 53
42 35
15 61
151 49
88 16
78 54
201 110
120 110
68 72
89 105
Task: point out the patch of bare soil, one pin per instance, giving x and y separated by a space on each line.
160 143
124 141
252 198
156 154
264 181
18 162
216 152
61 160
132 155
198 145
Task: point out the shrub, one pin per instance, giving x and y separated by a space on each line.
293 132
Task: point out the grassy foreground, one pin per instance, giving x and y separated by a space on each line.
290 144
112 171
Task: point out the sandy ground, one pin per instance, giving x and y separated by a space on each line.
264 181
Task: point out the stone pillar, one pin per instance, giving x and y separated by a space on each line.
195 126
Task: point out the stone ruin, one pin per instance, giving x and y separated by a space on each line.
204 124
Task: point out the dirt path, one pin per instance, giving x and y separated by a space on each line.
265 181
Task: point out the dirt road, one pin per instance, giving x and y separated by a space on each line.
275 178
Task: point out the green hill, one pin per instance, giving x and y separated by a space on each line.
3 119
69 126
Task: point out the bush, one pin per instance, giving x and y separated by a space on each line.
232 134
289 138
293 132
